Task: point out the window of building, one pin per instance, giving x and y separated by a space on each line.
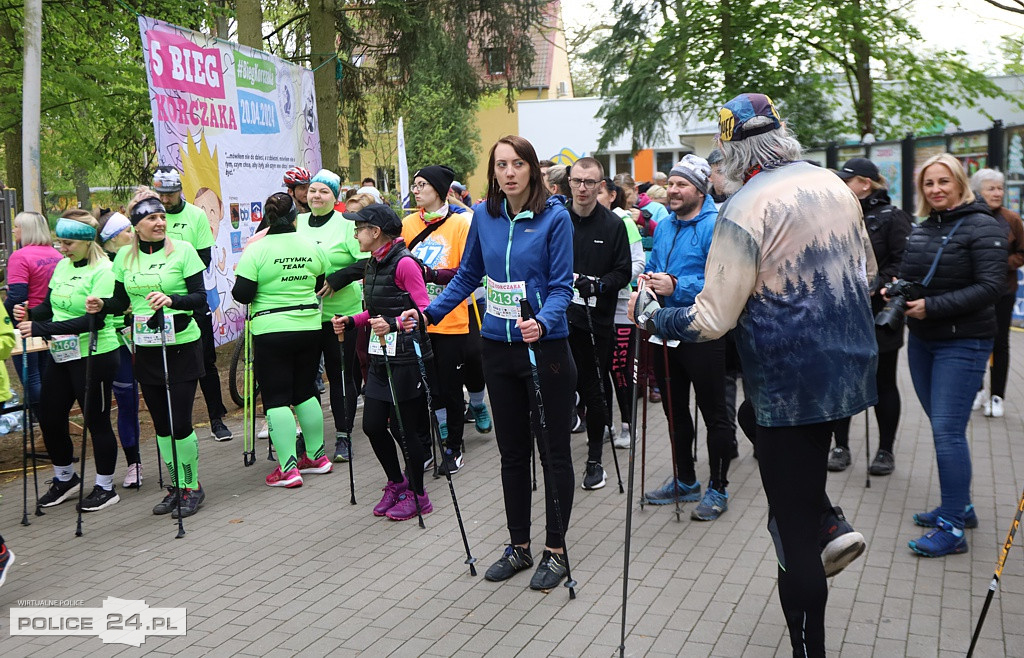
494 59
605 161
664 160
623 163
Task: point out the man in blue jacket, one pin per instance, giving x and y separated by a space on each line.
676 275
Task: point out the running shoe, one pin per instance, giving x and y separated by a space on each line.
655 395
994 408
392 490
481 417
321 466
133 478
595 476
289 480
405 508
552 569
840 543
838 459
942 540
884 463
929 519
428 463
980 400
98 499
219 431
6 562
168 503
514 560
191 500
623 439
60 490
451 462
442 429
342 447
713 505
668 493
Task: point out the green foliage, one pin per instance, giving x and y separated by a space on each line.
439 127
1012 50
808 55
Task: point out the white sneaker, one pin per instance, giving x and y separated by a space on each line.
980 400
995 407
264 432
622 440
133 478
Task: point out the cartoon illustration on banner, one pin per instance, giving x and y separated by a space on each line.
232 120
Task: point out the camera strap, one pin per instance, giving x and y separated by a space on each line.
935 263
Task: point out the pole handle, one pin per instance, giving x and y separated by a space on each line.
157 320
525 310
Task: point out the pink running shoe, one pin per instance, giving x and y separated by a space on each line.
322 465
392 491
289 480
405 508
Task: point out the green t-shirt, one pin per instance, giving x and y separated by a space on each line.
70 285
285 267
190 225
337 238
160 271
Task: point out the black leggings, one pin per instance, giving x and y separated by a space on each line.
183 395
343 403
63 384
510 384
887 411
447 383
590 373
792 461
621 370
210 382
377 415
703 365
286 365
473 368
1001 348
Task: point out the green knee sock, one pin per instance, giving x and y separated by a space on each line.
311 420
164 443
281 425
188 461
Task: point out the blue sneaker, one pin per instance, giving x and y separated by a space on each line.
713 505
668 493
939 541
481 417
928 519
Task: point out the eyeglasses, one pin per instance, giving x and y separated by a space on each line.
584 183
361 227
417 187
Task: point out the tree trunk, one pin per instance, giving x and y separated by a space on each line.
250 23
861 49
31 90
82 188
12 137
323 37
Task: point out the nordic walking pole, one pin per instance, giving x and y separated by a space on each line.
998 572
85 412
27 411
26 424
867 448
533 459
159 320
344 412
248 395
550 486
401 426
671 426
436 436
629 496
600 382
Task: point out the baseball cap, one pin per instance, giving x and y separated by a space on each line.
379 215
858 167
734 116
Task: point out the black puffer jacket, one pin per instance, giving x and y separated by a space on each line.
888 228
970 276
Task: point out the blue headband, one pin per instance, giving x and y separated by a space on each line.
69 229
145 208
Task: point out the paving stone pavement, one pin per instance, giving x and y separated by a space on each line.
280 572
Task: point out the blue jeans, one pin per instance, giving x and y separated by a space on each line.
36 365
126 393
946 375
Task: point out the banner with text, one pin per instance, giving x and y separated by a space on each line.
232 120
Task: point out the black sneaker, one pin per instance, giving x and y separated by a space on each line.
168 503
840 543
838 459
883 464
550 571
451 462
428 463
342 447
219 431
579 425
595 477
6 562
60 490
98 499
514 560
191 499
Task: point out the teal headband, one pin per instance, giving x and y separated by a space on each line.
69 229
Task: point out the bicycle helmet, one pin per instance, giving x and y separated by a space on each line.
297 176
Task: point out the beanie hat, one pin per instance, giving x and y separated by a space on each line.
166 179
372 191
733 118
439 177
694 169
328 178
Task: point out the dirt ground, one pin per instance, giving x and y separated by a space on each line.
11 444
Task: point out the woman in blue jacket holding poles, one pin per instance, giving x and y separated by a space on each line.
520 243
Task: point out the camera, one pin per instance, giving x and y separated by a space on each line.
899 293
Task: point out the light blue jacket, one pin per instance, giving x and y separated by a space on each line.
681 249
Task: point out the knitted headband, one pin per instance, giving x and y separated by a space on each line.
69 229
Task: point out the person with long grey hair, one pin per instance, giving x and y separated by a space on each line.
789 266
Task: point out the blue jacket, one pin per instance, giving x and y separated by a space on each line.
535 249
681 249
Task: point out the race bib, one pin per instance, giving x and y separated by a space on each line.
503 298
390 341
433 290
143 335
656 340
64 348
577 299
126 336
